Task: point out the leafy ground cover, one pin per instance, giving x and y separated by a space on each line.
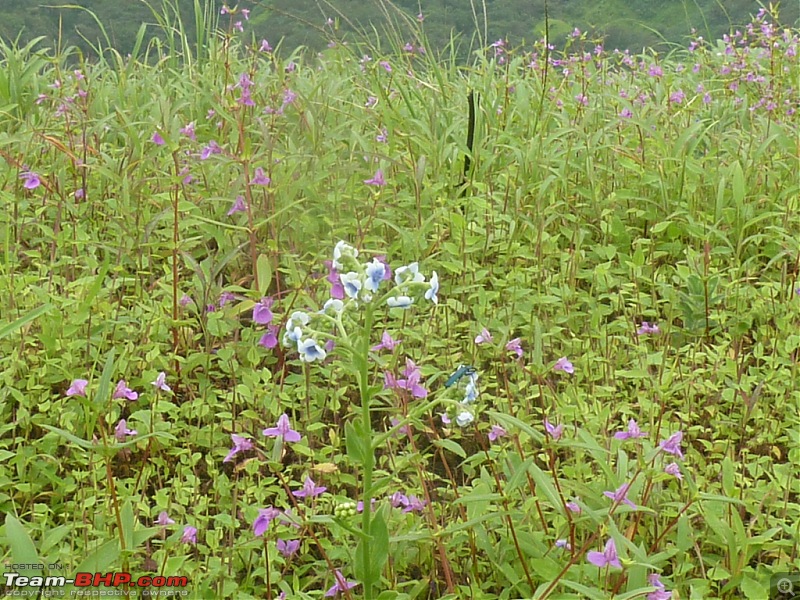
256 332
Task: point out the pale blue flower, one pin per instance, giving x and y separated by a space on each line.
471 391
340 251
408 273
332 304
298 319
433 289
310 351
375 272
352 283
292 335
400 302
464 418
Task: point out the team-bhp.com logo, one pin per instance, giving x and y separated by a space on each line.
153 585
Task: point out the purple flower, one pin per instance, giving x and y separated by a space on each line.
238 206
385 64
497 432
259 178
563 364
661 593
674 470
633 432
405 429
262 313
121 430
283 429
412 375
573 507
371 101
383 136
32 180
123 391
486 338
157 139
270 339
211 148
515 345
80 194
337 288
626 113
163 519
309 489
78 388
264 518
620 495
414 504
648 328
605 558
677 97
377 179
445 419
655 71
265 47
341 585
188 131
387 343
563 544
226 297
240 444
288 549
398 500
189 535
553 431
387 275
672 445
161 382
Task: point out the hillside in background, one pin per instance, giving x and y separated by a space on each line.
623 24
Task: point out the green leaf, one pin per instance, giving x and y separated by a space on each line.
264 271
352 439
378 546
23 550
101 449
104 386
10 328
752 589
128 522
452 446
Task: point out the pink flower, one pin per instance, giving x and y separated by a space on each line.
163 519
121 431
563 364
157 139
608 557
387 343
515 345
283 429
189 535
78 388
377 179
123 391
486 338
497 432
674 470
240 444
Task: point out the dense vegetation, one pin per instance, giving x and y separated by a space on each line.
622 23
237 288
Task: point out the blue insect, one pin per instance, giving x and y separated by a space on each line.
462 371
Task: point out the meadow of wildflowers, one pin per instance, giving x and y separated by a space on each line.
255 333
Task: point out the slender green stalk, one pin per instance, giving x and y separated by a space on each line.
369 456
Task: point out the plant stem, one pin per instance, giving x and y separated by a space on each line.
369 456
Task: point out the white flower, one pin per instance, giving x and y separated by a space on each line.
400 302
464 418
310 351
333 304
352 283
340 251
408 273
375 273
430 294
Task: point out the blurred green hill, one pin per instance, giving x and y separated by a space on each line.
631 24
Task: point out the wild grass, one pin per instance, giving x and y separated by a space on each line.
606 190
